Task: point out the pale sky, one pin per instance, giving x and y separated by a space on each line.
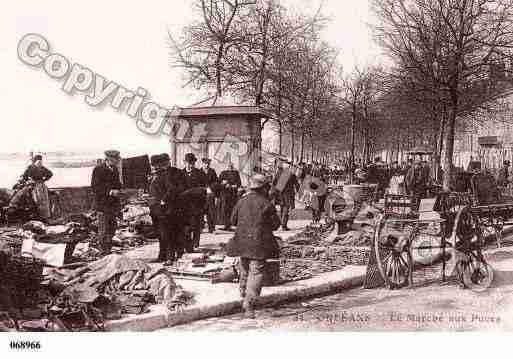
124 41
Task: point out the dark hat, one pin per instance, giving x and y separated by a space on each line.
159 160
112 154
506 163
206 160
190 158
37 158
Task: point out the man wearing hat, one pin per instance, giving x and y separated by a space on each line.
503 175
165 187
417 182
106 186
212 180
194 178
231 182
256 219
287 192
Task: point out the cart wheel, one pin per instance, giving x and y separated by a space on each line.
473 270
476 275
393 255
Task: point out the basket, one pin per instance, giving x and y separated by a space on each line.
22 276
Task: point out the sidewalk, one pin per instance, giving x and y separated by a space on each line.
381 309
215 300
150 251
223 298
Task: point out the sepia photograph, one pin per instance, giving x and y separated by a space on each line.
340 168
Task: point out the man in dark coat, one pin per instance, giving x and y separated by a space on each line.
406 169
287 195
374 172
231 182
194 178
106 186
211 178
254 242
503 176
417 182
38 174
165 187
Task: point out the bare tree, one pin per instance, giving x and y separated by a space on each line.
356 87
451 45
203 45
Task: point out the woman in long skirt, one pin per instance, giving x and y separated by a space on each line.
39 174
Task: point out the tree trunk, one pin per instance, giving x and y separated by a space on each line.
293 141
261 76
280 137
440 144
302 145
351 164
449 142
219 90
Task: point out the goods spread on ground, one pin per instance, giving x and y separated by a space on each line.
62 283
316 250
53 277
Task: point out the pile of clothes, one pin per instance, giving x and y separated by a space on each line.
11 238
84 297
54 244
118 276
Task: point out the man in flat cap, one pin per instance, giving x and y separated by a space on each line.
256 219
106 186
194 178
211 178
166 185
231 182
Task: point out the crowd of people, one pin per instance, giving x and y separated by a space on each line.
181 201
184 201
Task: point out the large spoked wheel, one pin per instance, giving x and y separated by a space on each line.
393 255
476 274
472 269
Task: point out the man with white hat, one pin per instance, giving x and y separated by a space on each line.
256 219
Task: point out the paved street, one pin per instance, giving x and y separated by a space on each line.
429 306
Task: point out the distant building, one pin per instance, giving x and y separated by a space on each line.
489 140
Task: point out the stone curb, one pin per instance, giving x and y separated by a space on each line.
163 318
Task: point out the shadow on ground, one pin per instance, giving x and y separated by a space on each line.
502 279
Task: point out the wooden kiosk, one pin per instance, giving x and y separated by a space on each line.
221 133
